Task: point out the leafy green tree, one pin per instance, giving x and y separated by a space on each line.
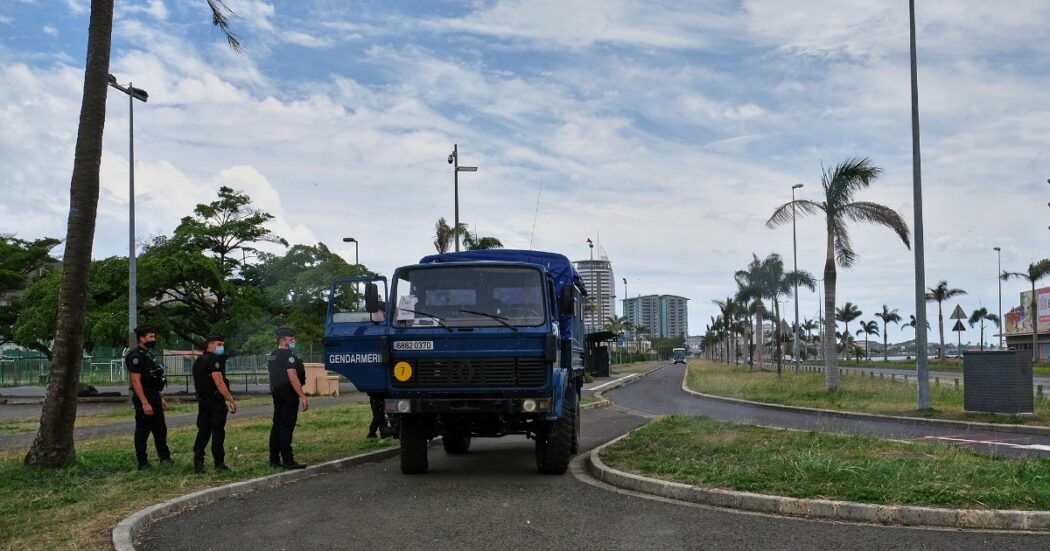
475 242
840 185
776 282
979 316
939 294
868 328
808 326
887 316
1036 271
750 292
847 313
21 262
53 445
445 235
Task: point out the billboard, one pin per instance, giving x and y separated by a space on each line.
1019 318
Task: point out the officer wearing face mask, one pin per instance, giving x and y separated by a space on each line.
213 395
147 381
287 376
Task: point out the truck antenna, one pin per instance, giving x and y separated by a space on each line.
536 214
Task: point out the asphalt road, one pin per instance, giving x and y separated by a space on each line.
493 498
660 393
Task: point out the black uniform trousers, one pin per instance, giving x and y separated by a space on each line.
211 425
150 424
285 414
376 401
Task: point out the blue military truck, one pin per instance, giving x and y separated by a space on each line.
482 343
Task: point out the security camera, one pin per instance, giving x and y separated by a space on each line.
450 157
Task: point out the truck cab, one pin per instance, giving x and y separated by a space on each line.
466 345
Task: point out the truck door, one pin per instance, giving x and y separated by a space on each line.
355 337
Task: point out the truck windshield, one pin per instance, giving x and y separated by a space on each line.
469 296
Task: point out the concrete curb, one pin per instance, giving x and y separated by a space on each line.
905 515
124 532
960 425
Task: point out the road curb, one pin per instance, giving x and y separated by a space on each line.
905 515
124 532
961 425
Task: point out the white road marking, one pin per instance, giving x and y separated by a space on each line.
1040 447
611 382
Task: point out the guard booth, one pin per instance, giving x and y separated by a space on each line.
596 361
998 382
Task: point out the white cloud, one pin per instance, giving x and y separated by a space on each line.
306 40
256 13
6 19
78 6
154 8
50 31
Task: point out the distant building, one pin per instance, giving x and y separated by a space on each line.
1017 323
600 283
664 315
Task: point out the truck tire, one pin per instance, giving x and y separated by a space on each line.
576 433
554 446
455 443
413 446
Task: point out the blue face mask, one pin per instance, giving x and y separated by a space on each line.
291 346
219 350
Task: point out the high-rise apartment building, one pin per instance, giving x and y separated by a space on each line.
598 279
663 315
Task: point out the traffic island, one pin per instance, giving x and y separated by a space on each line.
826 476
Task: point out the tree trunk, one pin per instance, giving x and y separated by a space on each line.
760 338
885 345
776 335
1035 326
53 445
940 321
831 369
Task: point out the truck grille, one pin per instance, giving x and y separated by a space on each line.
476 372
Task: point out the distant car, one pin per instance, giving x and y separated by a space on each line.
679 360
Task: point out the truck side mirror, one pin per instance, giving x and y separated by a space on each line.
565 301
371 298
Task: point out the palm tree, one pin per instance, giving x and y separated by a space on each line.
475 242
979 316
778 283
729 309
1036 271
912 322
750 292
53 445
445 235
840 185
808 326
868 328
887 316
846 314
939 294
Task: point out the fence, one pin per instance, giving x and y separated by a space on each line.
110 370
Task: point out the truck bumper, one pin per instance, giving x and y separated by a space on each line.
515 405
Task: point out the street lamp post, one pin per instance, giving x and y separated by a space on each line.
133 309
453 159
922 373
625 308
357 262
999 256
794 247
590 266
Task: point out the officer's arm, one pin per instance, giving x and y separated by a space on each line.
136 387
293 378
220 385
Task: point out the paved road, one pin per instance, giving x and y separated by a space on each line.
493 499
660 393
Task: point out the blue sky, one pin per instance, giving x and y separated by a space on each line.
669 130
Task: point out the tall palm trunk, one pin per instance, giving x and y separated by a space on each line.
831 370
776 335
940 322
53 445
760 338
1035 325
885 343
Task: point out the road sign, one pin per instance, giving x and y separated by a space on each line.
958 313
959 326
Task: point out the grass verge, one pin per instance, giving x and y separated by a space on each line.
855 393
951 365
77 507
702 452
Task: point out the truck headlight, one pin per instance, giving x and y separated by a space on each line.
529 405
544 405
404 406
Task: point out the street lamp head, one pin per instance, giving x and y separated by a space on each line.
349 240
590 243
467 168
625 281
451 157
996 249
138 93
796 186
112 79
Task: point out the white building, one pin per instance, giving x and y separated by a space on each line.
663 315
600 283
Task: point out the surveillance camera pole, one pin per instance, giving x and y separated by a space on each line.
456 169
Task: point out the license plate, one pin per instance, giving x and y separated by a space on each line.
413 345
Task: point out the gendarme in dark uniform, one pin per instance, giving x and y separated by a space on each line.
287 375
213 395
147 380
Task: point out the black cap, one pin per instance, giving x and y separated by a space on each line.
215 338
143 330
285 332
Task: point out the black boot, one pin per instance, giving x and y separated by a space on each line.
198 463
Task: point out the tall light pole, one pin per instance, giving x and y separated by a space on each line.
357 262
794 248
999 256
625 306
590 267
453 159
133 309
922 373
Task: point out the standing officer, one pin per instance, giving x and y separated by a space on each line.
147 380
287 376
213 393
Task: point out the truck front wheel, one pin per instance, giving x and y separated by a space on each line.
413 446
554 443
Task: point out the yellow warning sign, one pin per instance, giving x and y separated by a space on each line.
403 371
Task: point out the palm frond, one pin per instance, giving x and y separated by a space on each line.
782 214
220 13
863 211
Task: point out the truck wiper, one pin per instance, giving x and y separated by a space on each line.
438 319
498 318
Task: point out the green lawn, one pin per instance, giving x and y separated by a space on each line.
77 507
702 452
952 364
855 393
